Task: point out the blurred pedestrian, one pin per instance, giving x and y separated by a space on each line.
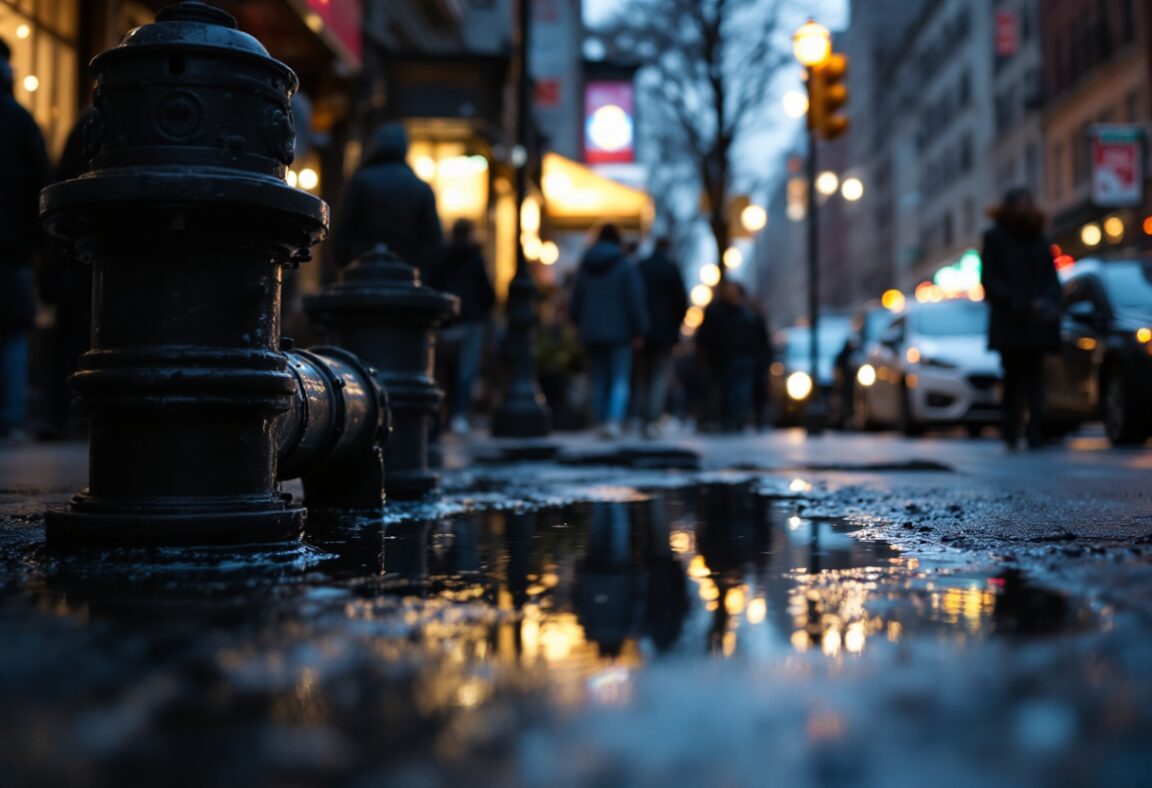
732 338
1023 292
667 304
25 169
462 273
386 203
66 284
609 309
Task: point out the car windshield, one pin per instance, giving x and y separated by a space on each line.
875 323
952 319
1129 285
833 333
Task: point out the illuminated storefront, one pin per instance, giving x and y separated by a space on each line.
43 35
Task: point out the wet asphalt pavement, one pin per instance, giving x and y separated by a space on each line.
855 610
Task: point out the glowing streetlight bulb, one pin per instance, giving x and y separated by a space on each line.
291 178
309 179
23 31
1114 228
710 274
795 103
754 218
31 83
827 183
549 253
852 189
811 44
701 295
733 257
1090 234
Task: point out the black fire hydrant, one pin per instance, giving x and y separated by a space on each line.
380 311
187 223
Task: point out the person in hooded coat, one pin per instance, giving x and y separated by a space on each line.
1023 293
25 169
609 309
386 202
462 273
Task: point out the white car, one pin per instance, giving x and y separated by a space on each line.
932 367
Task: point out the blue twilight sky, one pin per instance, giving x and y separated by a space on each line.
831 13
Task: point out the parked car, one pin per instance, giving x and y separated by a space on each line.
1104 369
932 368
790 380
868 323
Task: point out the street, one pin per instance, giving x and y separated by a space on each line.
843 610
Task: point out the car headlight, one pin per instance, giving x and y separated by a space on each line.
1144 335
866 375
798 385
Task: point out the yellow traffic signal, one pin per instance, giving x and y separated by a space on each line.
827 95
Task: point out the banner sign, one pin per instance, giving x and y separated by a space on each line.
1006 41
339 19
1117 165
609 123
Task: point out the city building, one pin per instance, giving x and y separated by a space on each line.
1097 70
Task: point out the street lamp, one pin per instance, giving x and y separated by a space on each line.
852 189
812 46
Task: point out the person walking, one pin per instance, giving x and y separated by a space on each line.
25 168
610 312
732 339
462 273
667 304
1023 293
387 203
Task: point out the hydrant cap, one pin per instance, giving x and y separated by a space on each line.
194 24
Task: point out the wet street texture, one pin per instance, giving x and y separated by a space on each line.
782 614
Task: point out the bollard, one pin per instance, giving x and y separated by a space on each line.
187 223
380 311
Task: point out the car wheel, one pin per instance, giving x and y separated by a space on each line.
908 424
1123 424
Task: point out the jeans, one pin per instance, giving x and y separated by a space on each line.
468 339
13 380
1023 383
653 365
611 367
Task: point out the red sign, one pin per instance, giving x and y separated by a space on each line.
341 20
1117 165
1006 40
547 92
609 123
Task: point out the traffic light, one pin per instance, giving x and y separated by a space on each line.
827 95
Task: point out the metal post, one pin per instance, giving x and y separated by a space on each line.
815 416
521 412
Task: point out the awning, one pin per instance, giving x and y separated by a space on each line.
575 197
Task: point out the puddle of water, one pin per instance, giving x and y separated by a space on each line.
422 639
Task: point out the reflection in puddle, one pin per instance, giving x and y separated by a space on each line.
715 569
427 640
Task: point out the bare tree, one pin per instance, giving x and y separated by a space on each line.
707 71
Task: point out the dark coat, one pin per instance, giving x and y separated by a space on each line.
1022 289
386 202
462 273
608 303
731 331
24 171
667 300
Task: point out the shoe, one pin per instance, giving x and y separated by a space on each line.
651 431
610 431
460 425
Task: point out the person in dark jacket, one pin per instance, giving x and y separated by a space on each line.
462 273
25 169
732 339
609 310
667 304
387 203
1023 292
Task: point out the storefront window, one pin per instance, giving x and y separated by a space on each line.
42 36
